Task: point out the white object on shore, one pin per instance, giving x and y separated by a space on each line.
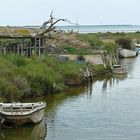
137 45
127 53
119 69
21 113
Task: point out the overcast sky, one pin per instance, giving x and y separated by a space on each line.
93 12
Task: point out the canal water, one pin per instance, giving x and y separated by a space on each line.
107 110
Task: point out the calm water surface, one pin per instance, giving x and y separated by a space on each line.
109 110
101 28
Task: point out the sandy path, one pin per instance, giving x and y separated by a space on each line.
95 59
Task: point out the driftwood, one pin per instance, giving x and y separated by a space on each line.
48 26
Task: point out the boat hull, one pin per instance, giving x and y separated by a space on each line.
124 53
34 117
21 113
119 69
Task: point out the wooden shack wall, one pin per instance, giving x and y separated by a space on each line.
23 46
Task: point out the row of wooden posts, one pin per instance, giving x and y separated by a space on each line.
110 58
23 46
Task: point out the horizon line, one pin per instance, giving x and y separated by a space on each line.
72 25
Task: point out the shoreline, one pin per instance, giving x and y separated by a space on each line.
49 74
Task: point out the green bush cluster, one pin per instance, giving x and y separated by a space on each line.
124 42
21 76
100 70
92 39
110 47
70 49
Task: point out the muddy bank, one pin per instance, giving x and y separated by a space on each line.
97 70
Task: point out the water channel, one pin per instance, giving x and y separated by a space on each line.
107 110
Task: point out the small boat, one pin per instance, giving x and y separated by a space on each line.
21 113
119 69
137 45
127 53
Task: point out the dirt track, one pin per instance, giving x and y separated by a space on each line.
95 59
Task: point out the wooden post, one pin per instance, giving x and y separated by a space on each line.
18 47
39 46
21 48
43 45
103 58
27 51
30 49
35 45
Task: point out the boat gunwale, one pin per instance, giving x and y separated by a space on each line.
21 112
17 115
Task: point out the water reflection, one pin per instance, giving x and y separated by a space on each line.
107 109
58 99
107 83
26 132
113 81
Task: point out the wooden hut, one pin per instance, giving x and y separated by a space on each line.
21 41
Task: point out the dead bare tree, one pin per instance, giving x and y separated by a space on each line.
49 25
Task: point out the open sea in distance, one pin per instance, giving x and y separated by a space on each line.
101 28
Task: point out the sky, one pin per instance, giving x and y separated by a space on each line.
83 12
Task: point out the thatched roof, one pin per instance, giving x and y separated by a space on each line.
18 32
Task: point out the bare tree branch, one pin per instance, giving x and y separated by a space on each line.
48 26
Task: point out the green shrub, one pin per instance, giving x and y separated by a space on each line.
22 84
70 49
100 70
110 47
9 90
125 43
18 60
21 76
92 39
